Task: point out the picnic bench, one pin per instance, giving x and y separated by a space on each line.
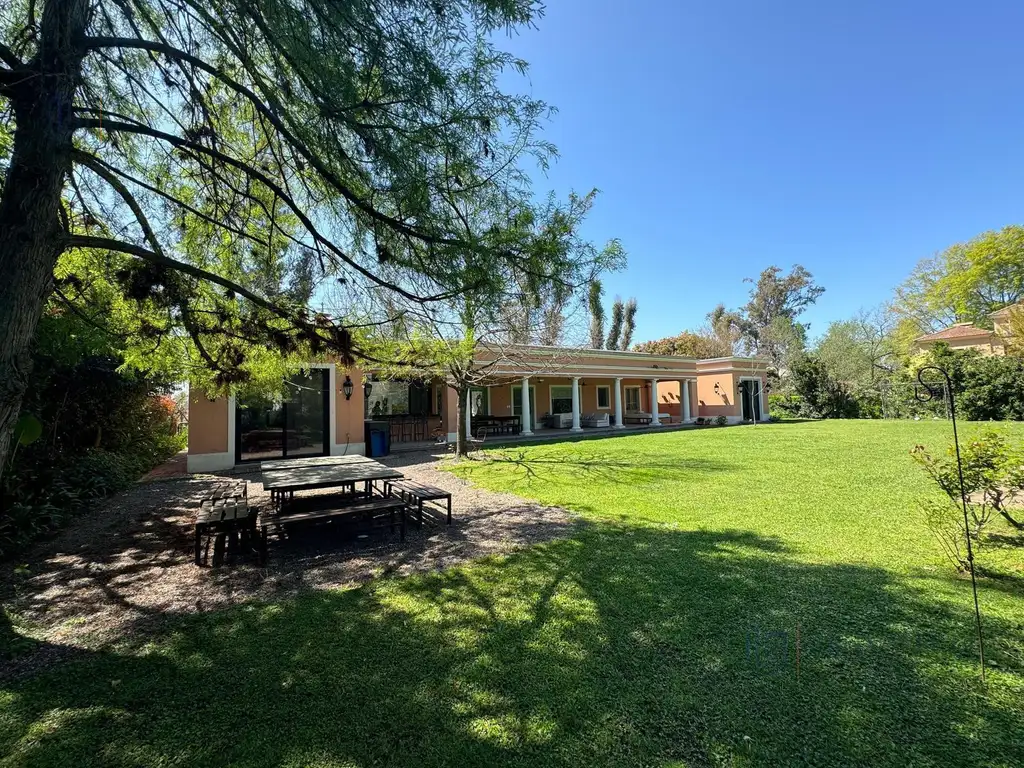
342 474
497 425
416 493
224 517
637 418
330 509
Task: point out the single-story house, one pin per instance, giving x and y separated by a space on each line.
323 409
970 336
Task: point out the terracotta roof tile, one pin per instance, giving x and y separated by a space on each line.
959 331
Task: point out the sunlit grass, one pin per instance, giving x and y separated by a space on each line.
664 631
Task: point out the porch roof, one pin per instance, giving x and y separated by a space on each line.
530 360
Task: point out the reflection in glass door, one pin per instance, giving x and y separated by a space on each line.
292 424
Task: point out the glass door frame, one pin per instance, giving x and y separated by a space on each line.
325 373
750 399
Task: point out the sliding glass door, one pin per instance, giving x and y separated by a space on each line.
295 423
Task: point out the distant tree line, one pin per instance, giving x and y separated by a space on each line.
866 366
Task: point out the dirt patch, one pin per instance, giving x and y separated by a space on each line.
129 565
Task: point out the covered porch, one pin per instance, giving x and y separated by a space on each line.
552 404
547 392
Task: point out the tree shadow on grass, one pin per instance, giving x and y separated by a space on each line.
619 646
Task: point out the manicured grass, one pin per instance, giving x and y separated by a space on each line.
663 632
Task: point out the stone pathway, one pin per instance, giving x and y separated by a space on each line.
174 467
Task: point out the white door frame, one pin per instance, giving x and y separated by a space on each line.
533 409
639 396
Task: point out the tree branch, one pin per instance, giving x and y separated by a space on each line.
109 244
93 164
8 57
177 141
312 158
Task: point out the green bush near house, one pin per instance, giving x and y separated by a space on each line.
662 629
99 430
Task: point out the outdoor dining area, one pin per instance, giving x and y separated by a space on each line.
351 497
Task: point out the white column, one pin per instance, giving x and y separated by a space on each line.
469 414
618 404
654 403
764 401
686 401
576 405
527 417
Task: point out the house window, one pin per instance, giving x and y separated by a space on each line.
604 396
632 398
561 399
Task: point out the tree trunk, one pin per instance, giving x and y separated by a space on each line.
461 413
31 235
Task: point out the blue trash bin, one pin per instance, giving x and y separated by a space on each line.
378 443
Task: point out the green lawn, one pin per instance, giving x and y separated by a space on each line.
663 632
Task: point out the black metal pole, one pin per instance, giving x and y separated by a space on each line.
963 503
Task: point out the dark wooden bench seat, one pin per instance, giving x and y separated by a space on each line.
318 509
637 419
303 513
226 517
417 493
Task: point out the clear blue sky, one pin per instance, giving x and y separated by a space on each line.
852 137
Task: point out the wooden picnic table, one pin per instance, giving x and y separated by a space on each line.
329 472
312 461
302 477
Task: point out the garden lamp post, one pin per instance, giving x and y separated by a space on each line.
929 391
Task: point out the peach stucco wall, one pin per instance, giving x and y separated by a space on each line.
986 345
722 403
207 423
348 414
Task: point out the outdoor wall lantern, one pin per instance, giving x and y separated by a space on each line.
718 388
367 388
346 387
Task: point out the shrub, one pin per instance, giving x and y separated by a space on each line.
788 403
821 395
993 479
721 421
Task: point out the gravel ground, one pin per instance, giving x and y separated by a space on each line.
129 566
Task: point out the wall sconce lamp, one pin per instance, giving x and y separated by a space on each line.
718 388
346 387
367 388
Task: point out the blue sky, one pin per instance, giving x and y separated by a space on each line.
853 137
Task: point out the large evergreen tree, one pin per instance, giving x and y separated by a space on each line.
222 160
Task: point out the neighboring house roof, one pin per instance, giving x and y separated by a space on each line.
1005 311
958 331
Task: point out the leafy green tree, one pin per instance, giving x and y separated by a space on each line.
860 351
966 281
596 307
731 329
686 344
210 156
615 329
821 396
465 339
776 301
628 324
